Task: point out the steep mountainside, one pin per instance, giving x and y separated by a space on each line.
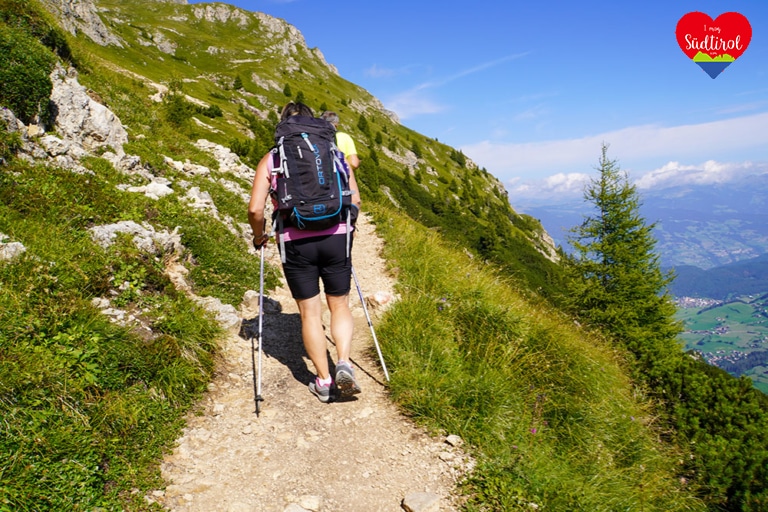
226 72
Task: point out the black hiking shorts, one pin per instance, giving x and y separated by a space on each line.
321 257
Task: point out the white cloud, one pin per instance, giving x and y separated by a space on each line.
710 172
672 174
412 103
415 101
471 71
376 72
558 185
531 113
633 147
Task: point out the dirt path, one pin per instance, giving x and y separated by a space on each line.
299 454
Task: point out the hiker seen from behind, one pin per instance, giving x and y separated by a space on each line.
316 203
344 141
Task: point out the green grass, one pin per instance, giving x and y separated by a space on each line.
547 409
88 407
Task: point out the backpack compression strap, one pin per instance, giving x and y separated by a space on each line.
283 168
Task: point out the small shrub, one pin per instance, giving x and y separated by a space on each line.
10 143
25 84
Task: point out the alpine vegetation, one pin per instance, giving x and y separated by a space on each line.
129 135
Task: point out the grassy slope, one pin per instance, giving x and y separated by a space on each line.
549 408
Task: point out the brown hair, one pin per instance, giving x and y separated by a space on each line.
295 109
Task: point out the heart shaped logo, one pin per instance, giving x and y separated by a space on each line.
713 44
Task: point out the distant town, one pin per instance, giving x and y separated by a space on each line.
695 302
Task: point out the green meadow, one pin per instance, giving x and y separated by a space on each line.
732 335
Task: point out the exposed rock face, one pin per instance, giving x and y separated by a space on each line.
221 13
9 120
545 244
81 119
164 44
82 16
229 162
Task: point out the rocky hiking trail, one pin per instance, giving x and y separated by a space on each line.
298 454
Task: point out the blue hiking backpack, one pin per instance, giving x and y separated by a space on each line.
312 189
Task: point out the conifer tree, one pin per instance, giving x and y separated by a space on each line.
618 286
617 282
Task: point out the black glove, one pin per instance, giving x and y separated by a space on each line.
260 241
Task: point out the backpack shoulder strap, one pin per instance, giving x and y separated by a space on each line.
275 152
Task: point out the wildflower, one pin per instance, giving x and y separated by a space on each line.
534 430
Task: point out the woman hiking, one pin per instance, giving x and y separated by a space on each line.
308 257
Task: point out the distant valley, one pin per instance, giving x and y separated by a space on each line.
715 237
732 335
703 226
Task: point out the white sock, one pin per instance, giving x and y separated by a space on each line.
324 382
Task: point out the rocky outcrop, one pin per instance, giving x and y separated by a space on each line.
221 13
82 126
164 44
167 245
82 120
545 244
144 236
82 16
229 162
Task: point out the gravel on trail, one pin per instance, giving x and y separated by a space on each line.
359 454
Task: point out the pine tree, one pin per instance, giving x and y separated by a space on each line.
618 286
617 282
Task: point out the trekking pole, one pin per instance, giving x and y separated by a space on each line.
257 382
375 341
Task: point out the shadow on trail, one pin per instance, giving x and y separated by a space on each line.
282 341
280 338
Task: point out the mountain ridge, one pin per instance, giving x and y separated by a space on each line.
443 188
744 277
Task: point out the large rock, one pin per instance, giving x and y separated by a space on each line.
80 119
82 16
229 162
421 502
144 236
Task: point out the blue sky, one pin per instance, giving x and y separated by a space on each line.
530 91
